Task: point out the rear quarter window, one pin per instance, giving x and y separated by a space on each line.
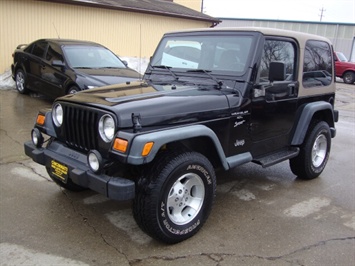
317 66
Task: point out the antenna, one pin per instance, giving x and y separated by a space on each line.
55 30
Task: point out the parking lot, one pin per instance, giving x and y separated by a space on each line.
260 217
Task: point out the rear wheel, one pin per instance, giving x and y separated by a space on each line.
175 196
20 79
349 77
314 153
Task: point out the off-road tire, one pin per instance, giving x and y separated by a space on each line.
174 183
314 152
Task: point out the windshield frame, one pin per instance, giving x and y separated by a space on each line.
212 39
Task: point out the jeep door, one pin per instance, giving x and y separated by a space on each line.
273 112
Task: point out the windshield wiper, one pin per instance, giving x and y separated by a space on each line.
219 82
167 68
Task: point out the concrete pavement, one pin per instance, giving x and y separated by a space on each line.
260 217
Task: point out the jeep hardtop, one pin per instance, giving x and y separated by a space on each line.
210 98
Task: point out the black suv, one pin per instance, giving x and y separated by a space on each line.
213 98
56 67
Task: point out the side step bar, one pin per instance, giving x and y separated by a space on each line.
276 157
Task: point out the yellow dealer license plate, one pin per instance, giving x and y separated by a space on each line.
59 170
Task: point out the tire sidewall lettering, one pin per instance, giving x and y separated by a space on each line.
169 226
202 170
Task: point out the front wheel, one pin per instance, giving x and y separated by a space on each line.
314 153
72 90
349 77
175 196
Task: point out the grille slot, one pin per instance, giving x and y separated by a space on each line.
80 127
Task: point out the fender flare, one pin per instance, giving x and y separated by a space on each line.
305 118
162 137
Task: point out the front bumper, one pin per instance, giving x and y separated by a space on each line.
116 188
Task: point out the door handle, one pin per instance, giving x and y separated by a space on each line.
291 89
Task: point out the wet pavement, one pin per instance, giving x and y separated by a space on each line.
260 217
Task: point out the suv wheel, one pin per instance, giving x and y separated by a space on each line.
72 90
20 80
175 196
314 153
349 77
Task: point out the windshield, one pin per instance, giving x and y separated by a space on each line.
79 56
213 53
342 57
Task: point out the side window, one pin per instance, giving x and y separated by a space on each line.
278 51
39 48
317 66
53 53
28 49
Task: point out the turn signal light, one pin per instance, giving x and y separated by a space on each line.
147 148
120 145
40 120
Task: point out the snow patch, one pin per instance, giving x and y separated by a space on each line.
26 173
244 194
123 220
12 254
95 199
6 81
350 223
266 187
308 207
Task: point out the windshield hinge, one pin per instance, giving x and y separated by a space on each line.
136 118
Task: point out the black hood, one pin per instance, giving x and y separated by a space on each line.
156 104
107 76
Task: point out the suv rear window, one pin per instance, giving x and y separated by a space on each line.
317 64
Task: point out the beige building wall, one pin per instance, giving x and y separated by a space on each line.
125 33
193 4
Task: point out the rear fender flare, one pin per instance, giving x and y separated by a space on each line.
305 119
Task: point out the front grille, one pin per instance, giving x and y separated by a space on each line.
80 127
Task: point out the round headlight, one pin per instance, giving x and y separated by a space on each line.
57 114
107 128
95 161
37 138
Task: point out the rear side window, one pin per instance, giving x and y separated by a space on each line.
54 53
39 48
317 66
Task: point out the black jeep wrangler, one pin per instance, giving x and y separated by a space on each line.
210 98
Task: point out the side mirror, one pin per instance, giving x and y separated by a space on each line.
277 71
125 63
58 63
